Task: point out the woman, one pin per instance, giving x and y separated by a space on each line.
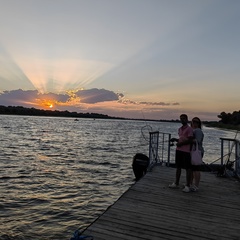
196 124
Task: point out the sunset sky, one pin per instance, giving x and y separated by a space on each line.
152 59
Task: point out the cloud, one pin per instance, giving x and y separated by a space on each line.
57 97
30 98
128 101
16 97
95 95
34 98
84 100
98 101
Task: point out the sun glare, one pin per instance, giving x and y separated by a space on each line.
45 103
61 75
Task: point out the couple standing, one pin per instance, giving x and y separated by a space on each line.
188 136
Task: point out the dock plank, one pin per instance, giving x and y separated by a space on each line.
150 210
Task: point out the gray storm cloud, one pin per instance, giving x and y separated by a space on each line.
95 95
16 97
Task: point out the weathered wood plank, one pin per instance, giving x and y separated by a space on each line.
150 210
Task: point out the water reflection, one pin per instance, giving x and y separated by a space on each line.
57 174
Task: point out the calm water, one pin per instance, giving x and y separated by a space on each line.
57 174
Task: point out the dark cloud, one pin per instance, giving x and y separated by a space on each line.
16 97
155 103
175 104
159 103
127 101
57 97
95 95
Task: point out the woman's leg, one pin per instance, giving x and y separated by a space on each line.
188 176
197 176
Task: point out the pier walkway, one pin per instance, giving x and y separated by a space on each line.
150 210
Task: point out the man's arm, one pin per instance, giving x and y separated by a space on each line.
188 141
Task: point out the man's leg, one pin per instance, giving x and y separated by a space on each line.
178 175
188 176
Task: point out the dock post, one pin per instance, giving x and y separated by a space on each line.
221 151
237 158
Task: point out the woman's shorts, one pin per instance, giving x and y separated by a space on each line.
183 159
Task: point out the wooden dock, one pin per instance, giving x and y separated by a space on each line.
150 210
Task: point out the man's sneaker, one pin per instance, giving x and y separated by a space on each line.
173 185
194 188
186 189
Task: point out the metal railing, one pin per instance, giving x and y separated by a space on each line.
231 159
159 152
159 148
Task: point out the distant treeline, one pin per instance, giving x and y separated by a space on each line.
11 110
227 120
230 118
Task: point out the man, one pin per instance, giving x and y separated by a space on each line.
183 157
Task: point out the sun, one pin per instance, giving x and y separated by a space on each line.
46 103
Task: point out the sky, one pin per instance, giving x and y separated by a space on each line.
148 59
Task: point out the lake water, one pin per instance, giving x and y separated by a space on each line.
58 175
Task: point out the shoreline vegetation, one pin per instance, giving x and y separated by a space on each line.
221 125
228 121
19 110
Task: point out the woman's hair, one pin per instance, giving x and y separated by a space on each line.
198 121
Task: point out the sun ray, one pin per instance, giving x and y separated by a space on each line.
61 75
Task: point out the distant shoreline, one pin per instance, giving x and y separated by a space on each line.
222 126
19 110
